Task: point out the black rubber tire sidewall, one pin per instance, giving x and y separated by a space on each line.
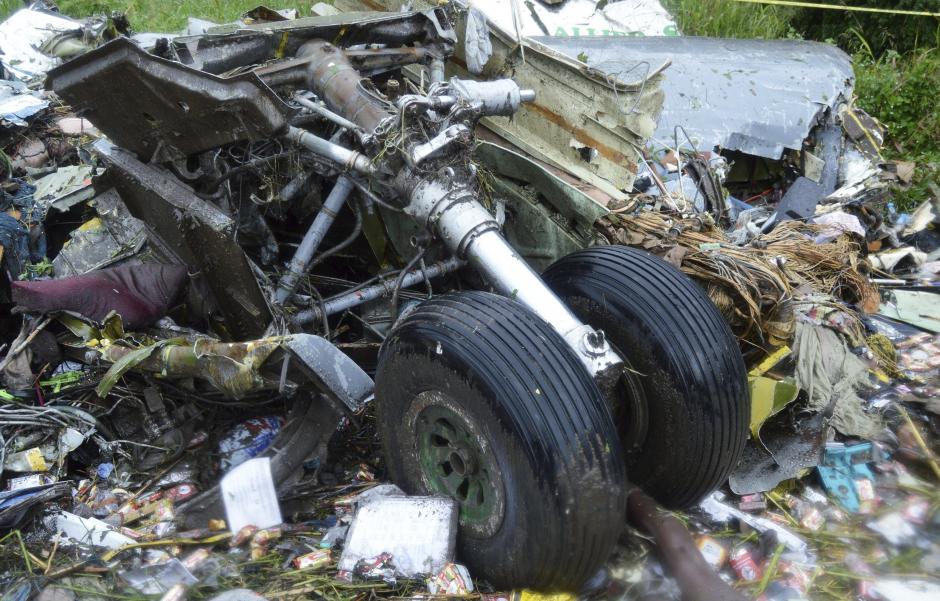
557 450
690 366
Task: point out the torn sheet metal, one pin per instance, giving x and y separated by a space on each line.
110 238
18 103
551 216
583 121
756 96
918 308
322 362
165 110
22 34
64 188
76 530
576 18
234 45
239 368
786 448
189 230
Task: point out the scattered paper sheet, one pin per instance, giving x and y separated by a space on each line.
249 496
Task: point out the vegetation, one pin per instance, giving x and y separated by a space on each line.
897 58
897 64
164 15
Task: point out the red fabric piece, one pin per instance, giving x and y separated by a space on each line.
140 294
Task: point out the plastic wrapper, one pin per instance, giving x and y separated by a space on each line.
712 550
247 440
334 536
381 567
742 561
452 579
314 560
158 579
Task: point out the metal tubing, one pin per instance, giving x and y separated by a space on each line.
334 79
369 293
293 187
349 159
436 70
326 113
312 239
511 276
452 211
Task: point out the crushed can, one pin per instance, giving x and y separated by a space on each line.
180 493
744 565
916 510
195 559
867 499
812 519
261 540
243 536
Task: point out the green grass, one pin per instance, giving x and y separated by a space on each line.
727 19
900 89
163 15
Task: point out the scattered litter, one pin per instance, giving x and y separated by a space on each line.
87 531
418 532
199 292
249 496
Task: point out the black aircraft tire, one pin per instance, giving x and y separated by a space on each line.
480 400
683 406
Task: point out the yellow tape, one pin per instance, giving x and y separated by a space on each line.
871 140
772 359
859 9
279 52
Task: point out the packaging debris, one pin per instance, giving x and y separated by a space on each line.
198 292
418 533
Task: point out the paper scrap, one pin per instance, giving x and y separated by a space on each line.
249 496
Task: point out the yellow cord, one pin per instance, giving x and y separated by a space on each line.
860 9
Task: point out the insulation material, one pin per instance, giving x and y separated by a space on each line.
832 376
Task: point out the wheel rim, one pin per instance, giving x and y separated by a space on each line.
454 463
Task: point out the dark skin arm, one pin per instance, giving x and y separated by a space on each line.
676 549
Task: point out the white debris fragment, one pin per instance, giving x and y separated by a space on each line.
419 532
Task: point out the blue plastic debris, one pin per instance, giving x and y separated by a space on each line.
845 473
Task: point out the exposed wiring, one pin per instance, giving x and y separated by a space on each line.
357 229
401 277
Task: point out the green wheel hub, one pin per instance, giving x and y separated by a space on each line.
455 463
